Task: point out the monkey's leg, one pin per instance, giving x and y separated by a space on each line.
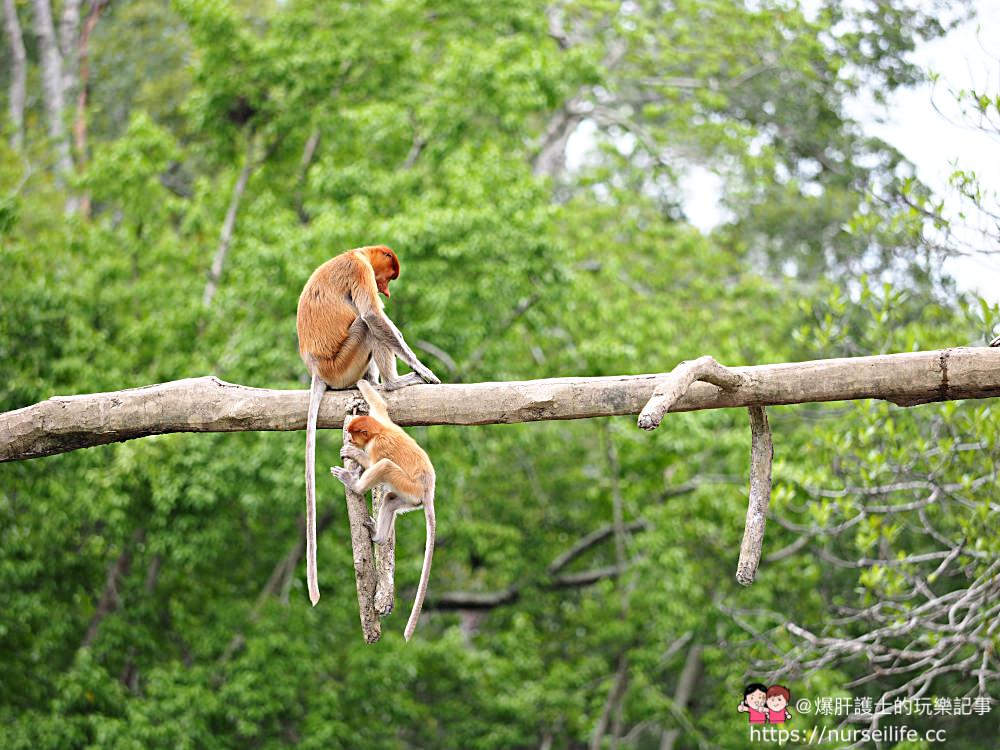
350 362
386 471
385 331
385 360
391 505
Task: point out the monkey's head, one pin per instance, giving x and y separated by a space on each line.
386 266
362 429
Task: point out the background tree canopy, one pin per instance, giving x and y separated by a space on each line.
150 594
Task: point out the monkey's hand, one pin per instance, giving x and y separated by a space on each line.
354 453
348 477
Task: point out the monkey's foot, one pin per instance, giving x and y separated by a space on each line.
428 376
396 383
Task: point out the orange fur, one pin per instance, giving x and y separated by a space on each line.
340 290
337 347
394 460
381 440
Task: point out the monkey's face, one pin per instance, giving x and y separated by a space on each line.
362 429
386 266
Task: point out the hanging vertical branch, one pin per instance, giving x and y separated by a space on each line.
361 544
669 390
385 561
761 455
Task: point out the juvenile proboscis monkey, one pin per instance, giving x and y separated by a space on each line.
392 458
344 336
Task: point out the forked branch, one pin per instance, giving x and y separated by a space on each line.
676 383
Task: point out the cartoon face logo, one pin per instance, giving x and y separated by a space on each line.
765 705
754 703
778 697
756 699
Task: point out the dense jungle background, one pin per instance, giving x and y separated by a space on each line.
171 173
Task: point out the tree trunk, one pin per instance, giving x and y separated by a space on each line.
83 92
69 30
52 86
17 74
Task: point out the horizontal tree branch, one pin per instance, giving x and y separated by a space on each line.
207 404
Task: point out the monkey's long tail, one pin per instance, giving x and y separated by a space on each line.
315 396
425 572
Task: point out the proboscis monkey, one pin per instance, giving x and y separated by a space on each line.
392 458
344 335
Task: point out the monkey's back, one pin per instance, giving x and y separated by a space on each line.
404 451
326 312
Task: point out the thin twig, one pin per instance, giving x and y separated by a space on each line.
229 224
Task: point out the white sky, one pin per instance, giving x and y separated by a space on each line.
967 57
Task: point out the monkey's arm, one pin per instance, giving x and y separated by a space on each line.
383 471
353 452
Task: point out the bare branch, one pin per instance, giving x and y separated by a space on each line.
761 454
207 404
686 684
229 224
308 153
591 540
109 600
615 696
364 561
